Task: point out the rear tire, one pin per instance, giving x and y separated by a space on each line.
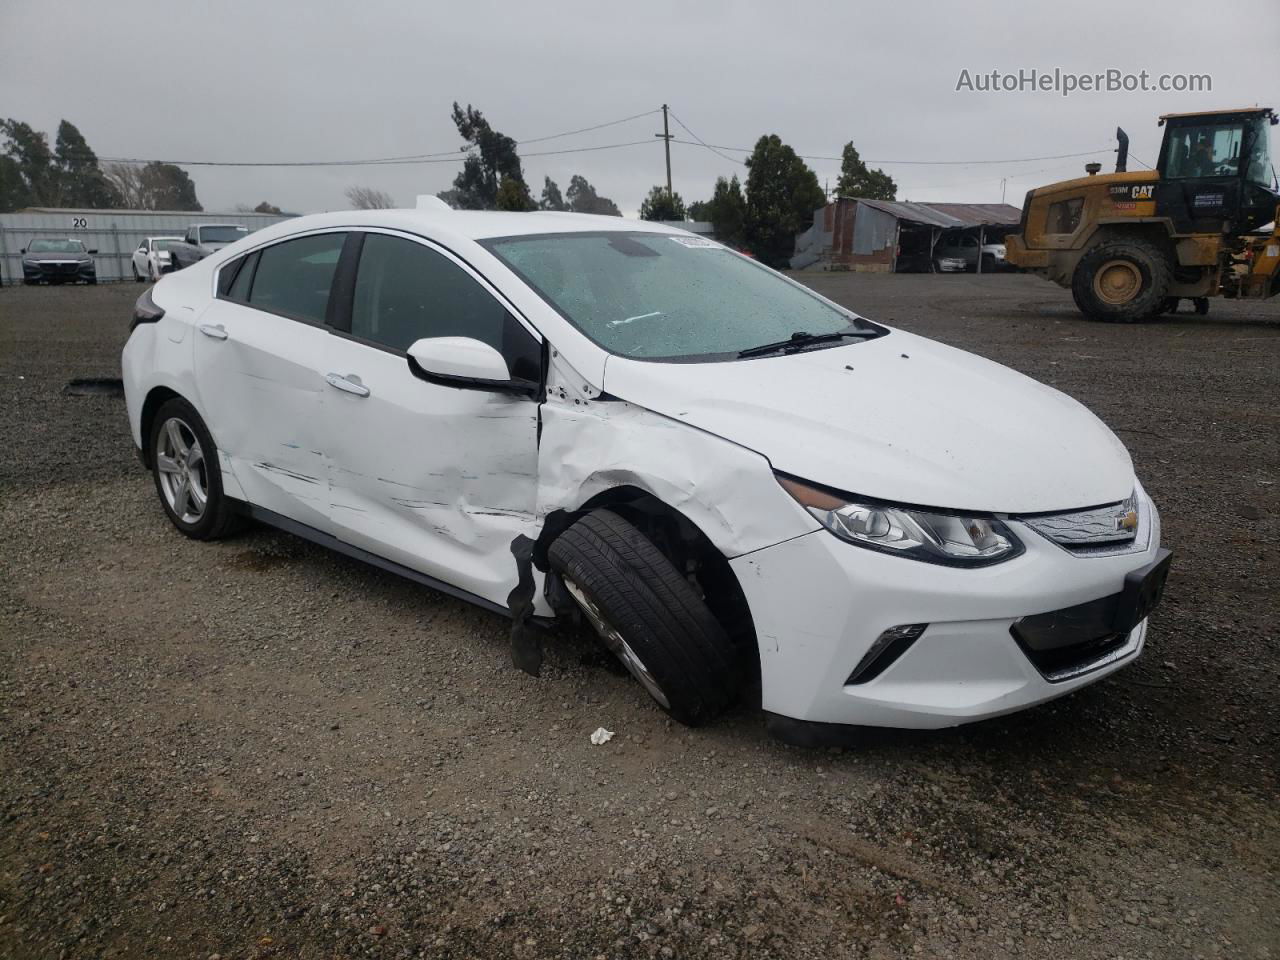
1122 281
1201 305
188 478
649 616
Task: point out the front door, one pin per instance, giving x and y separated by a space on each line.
436 477
259 355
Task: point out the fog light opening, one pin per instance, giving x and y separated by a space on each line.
888 647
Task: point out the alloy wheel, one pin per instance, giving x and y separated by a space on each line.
181 468
617 645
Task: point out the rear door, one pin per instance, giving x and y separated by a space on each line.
439 478
259 350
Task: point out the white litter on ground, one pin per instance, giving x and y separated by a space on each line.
601 736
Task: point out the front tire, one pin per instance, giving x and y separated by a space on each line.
188 479
649 616
1122 281
137 277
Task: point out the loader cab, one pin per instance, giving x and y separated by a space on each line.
1216 172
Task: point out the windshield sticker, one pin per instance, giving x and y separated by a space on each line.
695 242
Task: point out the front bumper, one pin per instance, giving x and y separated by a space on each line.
58 271
819 604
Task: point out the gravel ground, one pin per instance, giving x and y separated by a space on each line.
258 749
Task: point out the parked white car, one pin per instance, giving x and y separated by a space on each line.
725 474
964 247
152 260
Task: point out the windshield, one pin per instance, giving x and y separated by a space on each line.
1258 145
665 296
164 243
1204 150
222 234
56 246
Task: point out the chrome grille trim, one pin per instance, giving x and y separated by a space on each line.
1096 532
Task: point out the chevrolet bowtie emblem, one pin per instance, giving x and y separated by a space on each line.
1127 521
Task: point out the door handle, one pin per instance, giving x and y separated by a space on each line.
210 330
347 385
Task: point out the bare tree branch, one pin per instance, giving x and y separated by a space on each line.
367 198
127 179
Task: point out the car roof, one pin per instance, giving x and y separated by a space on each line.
477 224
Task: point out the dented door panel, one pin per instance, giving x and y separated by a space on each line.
437 478
260 393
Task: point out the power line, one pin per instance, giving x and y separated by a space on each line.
448 155
385 162
700 140
598 126
716 147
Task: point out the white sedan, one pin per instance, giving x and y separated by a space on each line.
737 483
151 260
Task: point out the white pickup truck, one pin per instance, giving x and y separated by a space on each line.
203 239
964 247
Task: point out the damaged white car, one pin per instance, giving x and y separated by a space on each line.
739 484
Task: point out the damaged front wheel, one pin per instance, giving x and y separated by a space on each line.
649 616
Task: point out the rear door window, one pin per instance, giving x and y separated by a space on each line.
293 278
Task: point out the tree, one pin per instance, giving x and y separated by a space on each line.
727 211
367 198
782 193
29 149
584 199
858 180
660 205
155 186
476 187
265 207
551 198
514 195
699 210
14 194
81 182
166 186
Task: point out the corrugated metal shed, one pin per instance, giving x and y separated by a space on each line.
115 234
949 216
859 234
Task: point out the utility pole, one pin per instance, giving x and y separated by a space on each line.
1003 181
665 136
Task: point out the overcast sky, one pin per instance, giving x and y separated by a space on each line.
252 80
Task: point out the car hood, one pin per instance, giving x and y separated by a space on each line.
897 418
63 257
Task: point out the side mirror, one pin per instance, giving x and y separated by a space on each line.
23 250
463 362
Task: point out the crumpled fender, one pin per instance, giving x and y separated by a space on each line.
591 443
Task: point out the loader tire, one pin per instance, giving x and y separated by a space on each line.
1122 281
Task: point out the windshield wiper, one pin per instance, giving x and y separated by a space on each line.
801 339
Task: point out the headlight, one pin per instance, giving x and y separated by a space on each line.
954 539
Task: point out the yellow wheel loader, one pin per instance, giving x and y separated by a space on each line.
1131 244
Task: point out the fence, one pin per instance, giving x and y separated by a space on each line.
115 234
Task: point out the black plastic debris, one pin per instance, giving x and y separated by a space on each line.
95 387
